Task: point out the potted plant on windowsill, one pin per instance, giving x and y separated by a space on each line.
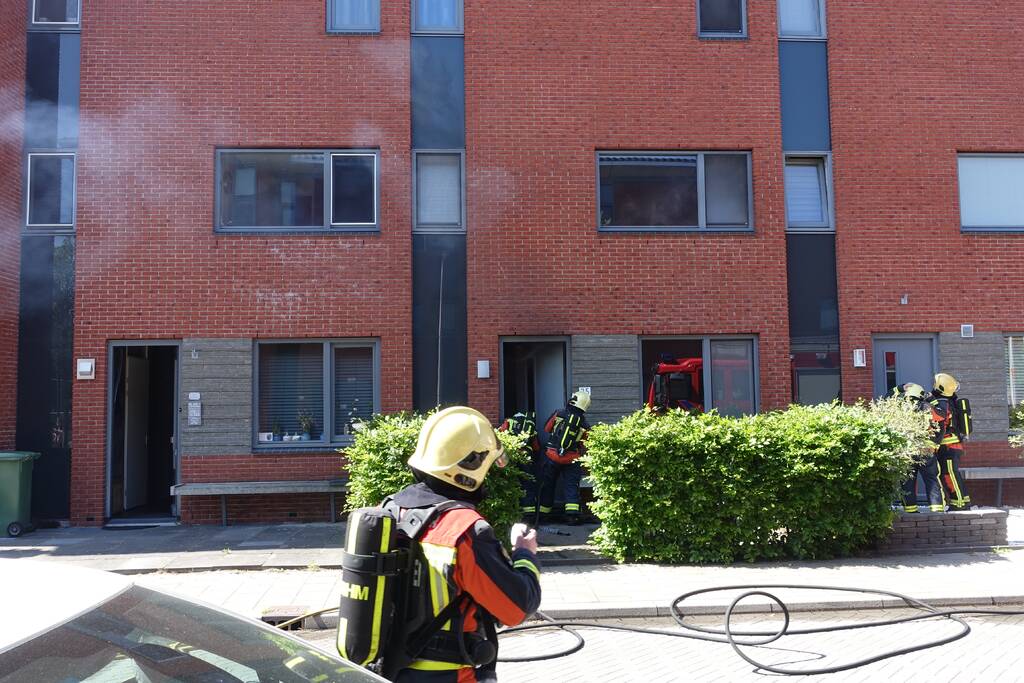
307 424
276 429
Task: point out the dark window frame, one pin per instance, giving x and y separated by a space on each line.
706 372
725 35
327 359
367 30
439 228
34 25
1009 229
49 228
458 30
822 22
823 160
702 225
328 226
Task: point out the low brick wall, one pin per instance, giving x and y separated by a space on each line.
946 530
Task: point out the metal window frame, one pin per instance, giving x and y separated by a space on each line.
459 30
742 35
960 207
50 228
365 30
109 431
824 162
439 228
565 340
328 169
1012 398
822 21
705 351
327 348
702 225
53 24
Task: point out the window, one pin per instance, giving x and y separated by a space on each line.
668 191
708 372
722 18
1015 370
314 391
288 190
51 90
439 182
801 18
353 16
807 196
991 191
437 16
56 12
50 191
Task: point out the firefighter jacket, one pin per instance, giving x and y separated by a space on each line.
942 416
568 430
464 558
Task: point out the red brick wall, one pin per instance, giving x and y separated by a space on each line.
996 454
912 84
12 103
548 85
161 88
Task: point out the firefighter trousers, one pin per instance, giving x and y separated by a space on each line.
531 482
572 475
929 471
949 464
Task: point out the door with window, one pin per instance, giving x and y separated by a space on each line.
898 360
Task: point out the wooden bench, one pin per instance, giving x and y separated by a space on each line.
997 473
248 488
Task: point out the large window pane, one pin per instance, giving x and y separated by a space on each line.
649 191
51 90
272 189
51 190
55 11
354 180
800 18
353 387
688 355
439 190
816 375
353 15
992 191
291 388
437 15
721 17
806 203
726 197
732 376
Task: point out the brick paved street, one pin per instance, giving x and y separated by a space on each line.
991 652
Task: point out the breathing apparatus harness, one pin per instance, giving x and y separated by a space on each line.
385 616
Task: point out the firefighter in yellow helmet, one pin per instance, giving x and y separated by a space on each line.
567 431
928 466
456 448
953 417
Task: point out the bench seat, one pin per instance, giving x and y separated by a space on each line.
245 488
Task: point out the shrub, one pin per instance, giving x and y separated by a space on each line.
807 482
1017 426
377 468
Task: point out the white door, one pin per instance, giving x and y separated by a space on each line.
136 432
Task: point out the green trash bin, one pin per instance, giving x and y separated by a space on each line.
16 491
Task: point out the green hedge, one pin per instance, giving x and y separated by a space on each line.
377 468
807 482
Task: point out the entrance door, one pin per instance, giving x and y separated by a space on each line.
534 378
898 360
136 432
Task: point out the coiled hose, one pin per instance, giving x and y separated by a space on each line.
727 634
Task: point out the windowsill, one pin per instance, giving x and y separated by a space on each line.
300 447
307 231
804 39
353 32
687 231
991 231
722 36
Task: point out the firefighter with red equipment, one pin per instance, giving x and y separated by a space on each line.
929 466
954 417
467 565
525 425
567 431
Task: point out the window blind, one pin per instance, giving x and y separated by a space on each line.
291 383
1015 370
805 201
353 387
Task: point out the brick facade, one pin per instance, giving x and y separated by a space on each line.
12 104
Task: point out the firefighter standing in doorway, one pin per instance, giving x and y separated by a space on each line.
953 414
928 467
568 431
525 424
456 448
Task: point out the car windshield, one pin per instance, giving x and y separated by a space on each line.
143 636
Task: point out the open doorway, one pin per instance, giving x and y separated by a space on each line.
142 433
534 375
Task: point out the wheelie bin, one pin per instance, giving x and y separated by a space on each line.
16 491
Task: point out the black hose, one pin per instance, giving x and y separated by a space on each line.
760 638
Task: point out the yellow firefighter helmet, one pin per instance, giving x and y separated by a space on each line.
911 390
580 399
945 385
458 446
